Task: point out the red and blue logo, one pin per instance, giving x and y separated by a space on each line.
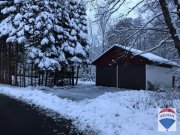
167 119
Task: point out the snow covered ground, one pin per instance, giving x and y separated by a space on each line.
84 90
120 112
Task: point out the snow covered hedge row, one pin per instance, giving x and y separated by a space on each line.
52 33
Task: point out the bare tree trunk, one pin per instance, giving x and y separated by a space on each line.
31 74
72 75
62 76
35 77
39 80
6 64
77 75
20 75
42 80
24 71
46 78
3 64
169 22
55 77
10 70
1 60
16 66
28 76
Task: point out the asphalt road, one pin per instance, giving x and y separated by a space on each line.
17 118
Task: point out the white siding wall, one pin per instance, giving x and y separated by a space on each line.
159 75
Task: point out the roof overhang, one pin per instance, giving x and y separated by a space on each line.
154 59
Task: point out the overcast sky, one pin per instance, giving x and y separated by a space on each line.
124 9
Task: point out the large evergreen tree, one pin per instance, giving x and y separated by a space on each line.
50 35
41 38
75 33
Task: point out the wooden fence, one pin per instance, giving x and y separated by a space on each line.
14 70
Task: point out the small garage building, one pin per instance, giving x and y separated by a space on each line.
126 67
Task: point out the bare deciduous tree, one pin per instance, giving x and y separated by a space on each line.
166 11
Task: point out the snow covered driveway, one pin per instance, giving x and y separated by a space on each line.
118 113
84 90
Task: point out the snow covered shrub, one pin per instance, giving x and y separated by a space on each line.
153 87
165 98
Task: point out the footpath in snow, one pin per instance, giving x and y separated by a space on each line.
118 113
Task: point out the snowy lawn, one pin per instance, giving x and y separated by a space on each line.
118 113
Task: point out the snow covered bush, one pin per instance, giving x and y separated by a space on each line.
153 87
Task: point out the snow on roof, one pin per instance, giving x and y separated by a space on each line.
149 56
